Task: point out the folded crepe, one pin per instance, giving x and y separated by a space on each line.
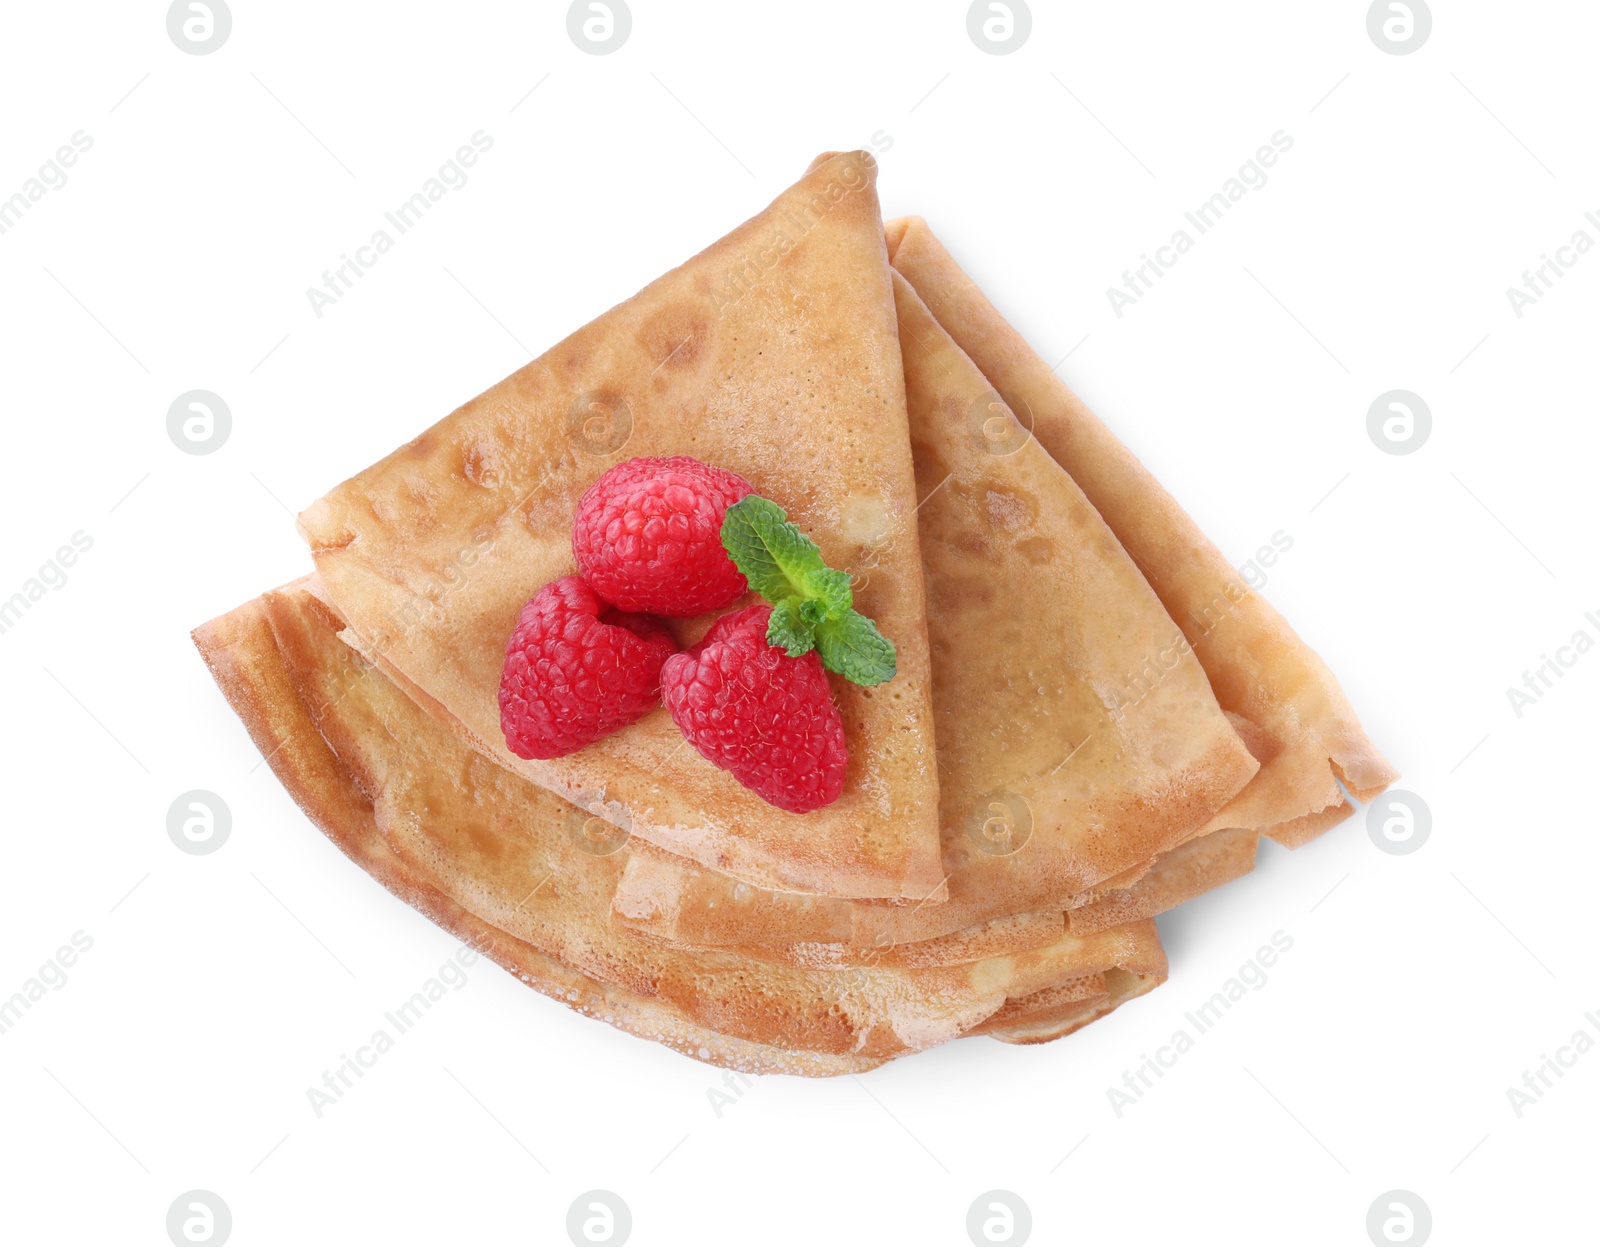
1000 884
772 354
513 868
1284 700
1050 785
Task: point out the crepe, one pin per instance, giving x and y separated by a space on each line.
1049 787
517 861
1206 862
1287 704
243 656
772 354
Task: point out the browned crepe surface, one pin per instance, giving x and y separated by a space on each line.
772 354
1050 783
1206 862
243 656
1303 728
515 857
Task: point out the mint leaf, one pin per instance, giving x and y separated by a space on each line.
831 589
789 628
811 602
777 559
853 646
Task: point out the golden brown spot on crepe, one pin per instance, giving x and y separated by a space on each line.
486 842
384 508
1009 511
421 447
479 462
930 467
422 497
958 593
575 357
971 542
1037 550
674 336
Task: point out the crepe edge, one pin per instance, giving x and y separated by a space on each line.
244 659
1354 760
920 879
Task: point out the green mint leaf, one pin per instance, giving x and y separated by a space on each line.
790 630
811 602
852 646
831 589
777 559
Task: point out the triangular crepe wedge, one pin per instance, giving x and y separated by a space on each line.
772 354
812 938
1304 730
516 857
1049 786
243 656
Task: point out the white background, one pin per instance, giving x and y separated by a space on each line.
218 988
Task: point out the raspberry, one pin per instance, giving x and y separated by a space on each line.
752 710
577 670
648 536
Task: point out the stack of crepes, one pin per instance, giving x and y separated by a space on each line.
1094 717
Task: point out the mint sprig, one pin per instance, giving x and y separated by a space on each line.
811 602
